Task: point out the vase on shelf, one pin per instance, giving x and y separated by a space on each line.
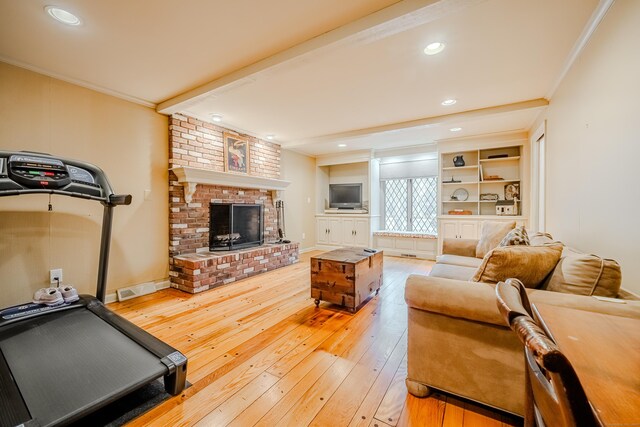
458 161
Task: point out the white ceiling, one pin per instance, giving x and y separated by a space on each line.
331 72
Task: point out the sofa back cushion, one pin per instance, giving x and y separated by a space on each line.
491 235
539 239
530 264
584 274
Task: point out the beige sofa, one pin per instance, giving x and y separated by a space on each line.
459 343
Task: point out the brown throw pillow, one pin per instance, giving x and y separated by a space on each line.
583 274
529 264
491 234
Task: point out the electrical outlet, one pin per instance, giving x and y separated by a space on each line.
303 236
147 195
54 274
309 200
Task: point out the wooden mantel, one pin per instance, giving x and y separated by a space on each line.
191 177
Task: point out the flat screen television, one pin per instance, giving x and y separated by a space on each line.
345 196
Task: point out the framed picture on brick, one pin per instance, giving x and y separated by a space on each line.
236 153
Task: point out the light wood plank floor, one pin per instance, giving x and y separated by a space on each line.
260 353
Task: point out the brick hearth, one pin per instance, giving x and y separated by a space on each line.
192 268
200 272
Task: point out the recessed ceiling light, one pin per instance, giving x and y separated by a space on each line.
455 129
433 48
449 102
216 118
342 145
62 15
270 136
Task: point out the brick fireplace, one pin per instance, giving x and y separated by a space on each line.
196 179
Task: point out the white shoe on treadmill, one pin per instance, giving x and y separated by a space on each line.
48 296
69 293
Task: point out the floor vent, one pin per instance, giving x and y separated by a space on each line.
136 291
407 255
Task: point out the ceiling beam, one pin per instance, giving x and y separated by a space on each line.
400 16
426 121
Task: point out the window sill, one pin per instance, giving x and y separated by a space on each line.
411 234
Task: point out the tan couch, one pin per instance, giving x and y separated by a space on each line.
459 343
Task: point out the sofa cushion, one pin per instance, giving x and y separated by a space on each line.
529 264
584 274
448 271
491 234
465 261
517 236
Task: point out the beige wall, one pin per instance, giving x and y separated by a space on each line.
299 198
128 141
593 134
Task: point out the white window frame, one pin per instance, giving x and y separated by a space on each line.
383 199
538 179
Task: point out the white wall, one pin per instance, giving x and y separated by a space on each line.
409 169
299 197
128 141
593 146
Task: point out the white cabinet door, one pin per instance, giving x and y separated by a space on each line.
449 229
322 230
348 231
335 231
467 229
361 232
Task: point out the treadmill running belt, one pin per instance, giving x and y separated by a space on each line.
68 361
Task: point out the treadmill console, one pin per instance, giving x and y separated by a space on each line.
31 171
38 172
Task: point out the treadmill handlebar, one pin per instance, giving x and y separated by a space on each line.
120 199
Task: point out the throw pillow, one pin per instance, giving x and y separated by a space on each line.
491 235
529 264
584 274
539 239
517 236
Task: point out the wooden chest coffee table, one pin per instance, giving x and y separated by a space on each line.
346 276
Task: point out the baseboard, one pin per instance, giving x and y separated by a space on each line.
149 287
312 248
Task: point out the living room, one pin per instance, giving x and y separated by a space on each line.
414 106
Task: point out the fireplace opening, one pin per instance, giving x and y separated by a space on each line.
235 226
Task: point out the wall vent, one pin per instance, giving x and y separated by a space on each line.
136 291
408 255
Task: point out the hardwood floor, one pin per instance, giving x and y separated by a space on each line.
260 353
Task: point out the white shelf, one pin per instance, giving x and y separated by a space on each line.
446 216
450 168
460 183
459 201
500 159
491 181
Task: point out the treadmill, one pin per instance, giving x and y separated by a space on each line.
59 364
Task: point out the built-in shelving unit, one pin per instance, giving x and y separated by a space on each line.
482 173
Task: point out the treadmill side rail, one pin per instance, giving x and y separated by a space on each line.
176 363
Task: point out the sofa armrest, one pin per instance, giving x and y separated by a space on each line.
462 247
456 298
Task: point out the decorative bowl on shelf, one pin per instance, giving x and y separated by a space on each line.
460 195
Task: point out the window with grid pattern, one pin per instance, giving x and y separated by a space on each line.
411 204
